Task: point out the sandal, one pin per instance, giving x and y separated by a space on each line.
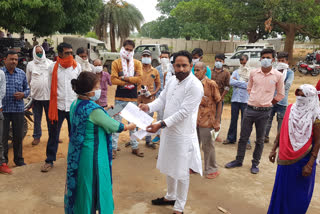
151 145
127 144
118 149
137 152
46 167
213 175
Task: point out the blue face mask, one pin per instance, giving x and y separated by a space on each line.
97 94
146 60
218 64
266 63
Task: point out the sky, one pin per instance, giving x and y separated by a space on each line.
147 8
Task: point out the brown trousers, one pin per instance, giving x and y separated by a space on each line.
204 137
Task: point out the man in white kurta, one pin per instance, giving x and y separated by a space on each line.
179 148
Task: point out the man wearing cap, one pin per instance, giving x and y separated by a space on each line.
146 90
281 107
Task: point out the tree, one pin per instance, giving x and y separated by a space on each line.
45 17
120 18
224 17
294 18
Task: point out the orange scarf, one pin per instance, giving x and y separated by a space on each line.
53 106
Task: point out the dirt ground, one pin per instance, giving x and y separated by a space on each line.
137 181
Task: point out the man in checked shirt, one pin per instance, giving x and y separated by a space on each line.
13 106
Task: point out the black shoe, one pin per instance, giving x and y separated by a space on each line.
151 145
266 139
233 164
161 201
254 169
228 142
21 164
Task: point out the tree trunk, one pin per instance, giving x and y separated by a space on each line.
288 45
253 36
112 38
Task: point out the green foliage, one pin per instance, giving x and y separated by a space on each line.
223 17
91 35
45 17
228 96
305 15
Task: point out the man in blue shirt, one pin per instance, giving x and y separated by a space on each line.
13 106
239 82
163 69
281 107
197 55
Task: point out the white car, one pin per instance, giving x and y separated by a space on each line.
233 62
250 46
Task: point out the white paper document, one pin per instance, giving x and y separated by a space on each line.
140 134
134 115
214 134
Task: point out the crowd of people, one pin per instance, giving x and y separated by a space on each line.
188 97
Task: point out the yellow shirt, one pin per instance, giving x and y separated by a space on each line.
150 77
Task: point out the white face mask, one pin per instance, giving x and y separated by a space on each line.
97 69
164 60
218 64
266 63
194 61
146 60
282 66
97 94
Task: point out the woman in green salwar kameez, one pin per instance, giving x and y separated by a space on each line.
89 177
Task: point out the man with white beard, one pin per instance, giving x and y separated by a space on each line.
179 152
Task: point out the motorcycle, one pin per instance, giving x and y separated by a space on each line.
305 68
27 117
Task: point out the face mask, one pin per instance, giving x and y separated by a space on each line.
98 69
218 64
146 60
182 75
97 94
266 63
39 55
164 60
282 66
194 61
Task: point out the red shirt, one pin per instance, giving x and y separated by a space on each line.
318 88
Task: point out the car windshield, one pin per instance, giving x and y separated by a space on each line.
164 48
255 54
101 47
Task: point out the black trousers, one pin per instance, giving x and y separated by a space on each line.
17 120
259 119
54 133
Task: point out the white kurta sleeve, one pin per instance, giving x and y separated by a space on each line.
191 102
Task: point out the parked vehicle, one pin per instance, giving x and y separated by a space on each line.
14 44
96 49
250 46
305 68
233 62
155 50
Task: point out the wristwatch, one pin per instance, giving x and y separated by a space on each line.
163 124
